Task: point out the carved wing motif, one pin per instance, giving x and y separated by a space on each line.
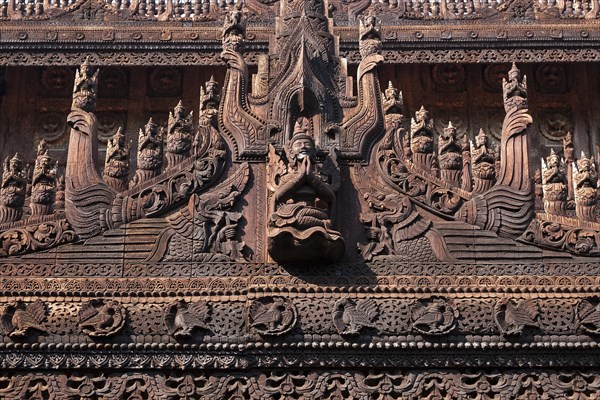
37 310
368 308
6 319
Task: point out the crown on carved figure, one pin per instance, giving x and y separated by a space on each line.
150 124
514 73
450 129
481 136
15 163
585 163
302 130
422 114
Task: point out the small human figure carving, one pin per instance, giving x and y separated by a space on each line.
449 156
150 154
43 183
514 89
554 185
13 190
369 36
483 159
116 168
585 180
180 134
421 140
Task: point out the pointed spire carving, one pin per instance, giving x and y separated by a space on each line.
508 207
87 196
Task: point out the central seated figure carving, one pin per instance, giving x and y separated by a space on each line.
300 226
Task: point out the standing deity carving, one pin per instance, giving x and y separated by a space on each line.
116 168
483 159
300 225
585 179
43 183
149 154
450 156
554 185
421 140
180 134
13 190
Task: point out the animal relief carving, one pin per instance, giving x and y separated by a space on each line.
512 316
207 229
351 317
101 318
272 316
19 319
434 316
183 318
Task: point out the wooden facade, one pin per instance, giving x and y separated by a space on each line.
299 199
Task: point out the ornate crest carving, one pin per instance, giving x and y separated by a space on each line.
300 225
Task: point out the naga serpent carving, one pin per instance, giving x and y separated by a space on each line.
508 207
86 194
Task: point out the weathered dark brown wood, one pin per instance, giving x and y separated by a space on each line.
299 199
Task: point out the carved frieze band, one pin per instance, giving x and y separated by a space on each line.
175 57
312 383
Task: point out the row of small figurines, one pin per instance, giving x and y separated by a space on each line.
567 183
43 187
